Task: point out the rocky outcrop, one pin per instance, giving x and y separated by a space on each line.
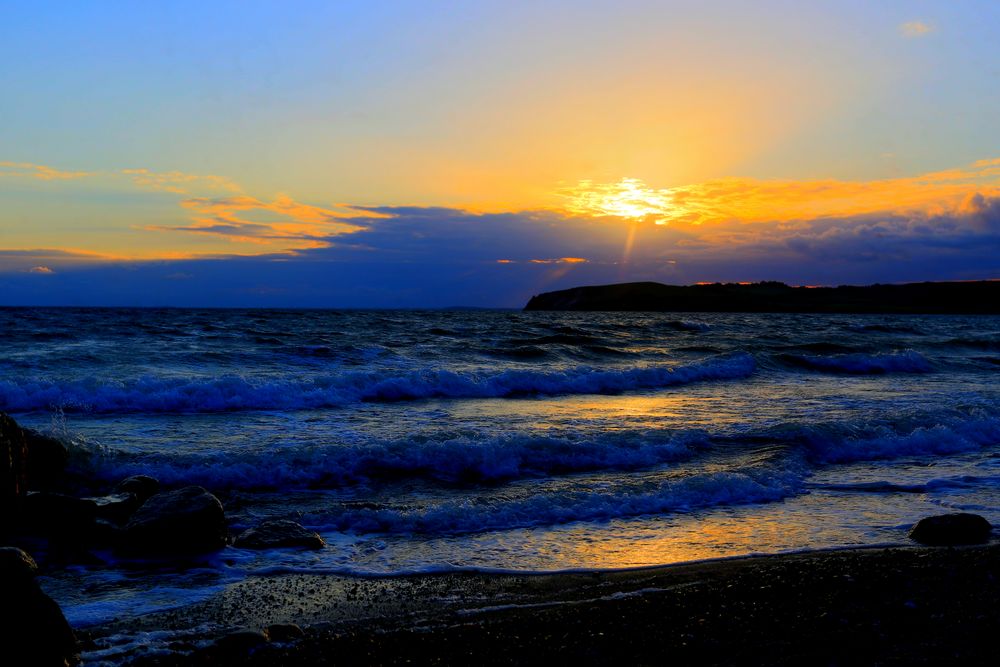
57 515
33 630
951 530
187 520
13 470
28 459
276 533
142 487
47 459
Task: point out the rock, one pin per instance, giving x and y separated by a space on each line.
117 508
16 564
951 529
47 458
13 470
284 632
186 520
57 515
142 487
275 533
33 630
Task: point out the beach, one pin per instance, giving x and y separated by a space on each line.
899 605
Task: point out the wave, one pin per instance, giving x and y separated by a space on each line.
672 494
989 344
943 434
521 352
237 392
461 460
683 325
930 486
907 361
884 328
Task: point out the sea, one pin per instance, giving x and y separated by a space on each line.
427 441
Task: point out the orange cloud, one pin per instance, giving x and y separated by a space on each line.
179 182
289 224
39 171
915 28
755 200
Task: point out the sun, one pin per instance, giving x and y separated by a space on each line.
629 198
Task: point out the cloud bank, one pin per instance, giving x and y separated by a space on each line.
939 226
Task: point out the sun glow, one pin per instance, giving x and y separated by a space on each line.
628 198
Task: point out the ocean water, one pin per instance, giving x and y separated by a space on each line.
498 440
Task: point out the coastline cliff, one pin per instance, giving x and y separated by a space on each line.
973 297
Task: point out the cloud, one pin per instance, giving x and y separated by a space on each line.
40 269
295 225
757 200
39 171
915 28
935 226
179 182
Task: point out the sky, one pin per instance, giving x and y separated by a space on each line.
434 154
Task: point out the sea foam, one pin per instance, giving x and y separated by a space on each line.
158 394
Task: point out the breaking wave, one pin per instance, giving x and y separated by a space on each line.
237 392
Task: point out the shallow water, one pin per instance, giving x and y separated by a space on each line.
418 441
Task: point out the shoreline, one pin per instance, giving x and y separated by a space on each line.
891 605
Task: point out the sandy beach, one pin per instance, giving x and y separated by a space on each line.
898 605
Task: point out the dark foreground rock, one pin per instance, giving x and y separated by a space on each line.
58 515
187 520
13 470
277 533
142 487
47 459
33 630
951 530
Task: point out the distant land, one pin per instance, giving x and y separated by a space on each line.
972 297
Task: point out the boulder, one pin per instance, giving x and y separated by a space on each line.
187 520
275 533
13 470
117 507
16 564
57 515
951 529
33 630
47 459
142 487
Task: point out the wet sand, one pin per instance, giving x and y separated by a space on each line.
902 605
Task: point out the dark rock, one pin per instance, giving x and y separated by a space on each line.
57 515
951 529
276 533
142 487
108 534
284 632
117 508
186 520
16 564
13 470
47 458
33 630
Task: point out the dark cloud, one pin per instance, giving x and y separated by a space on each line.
433 257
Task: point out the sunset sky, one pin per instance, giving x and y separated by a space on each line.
407 154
